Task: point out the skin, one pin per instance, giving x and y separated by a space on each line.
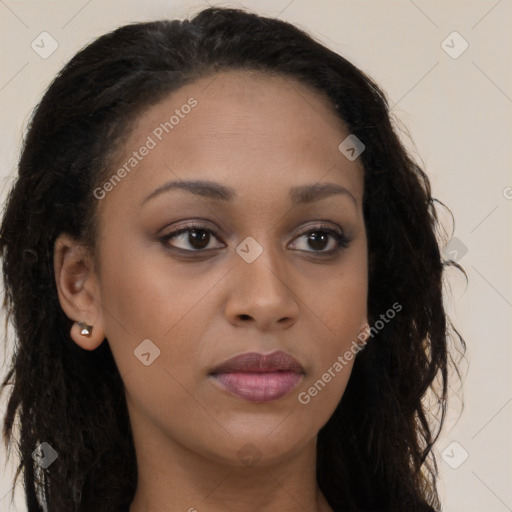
260 135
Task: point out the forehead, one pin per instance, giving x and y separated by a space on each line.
232 103
241 128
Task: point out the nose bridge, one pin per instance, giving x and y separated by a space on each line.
261 265
262 290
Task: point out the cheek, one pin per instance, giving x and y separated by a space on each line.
324 386
339 309
337 302
147 298
144 288
153 316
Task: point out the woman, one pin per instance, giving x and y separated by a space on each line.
222 269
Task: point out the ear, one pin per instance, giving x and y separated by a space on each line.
78 290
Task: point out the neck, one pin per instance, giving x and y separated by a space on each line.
172 478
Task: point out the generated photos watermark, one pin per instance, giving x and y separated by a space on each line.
304 397
152 141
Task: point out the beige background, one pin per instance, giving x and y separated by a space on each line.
458 111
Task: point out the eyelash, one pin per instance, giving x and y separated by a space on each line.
342 241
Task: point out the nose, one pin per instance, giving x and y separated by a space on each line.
262 294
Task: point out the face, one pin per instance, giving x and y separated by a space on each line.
236 227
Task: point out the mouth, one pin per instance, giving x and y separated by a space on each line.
259 378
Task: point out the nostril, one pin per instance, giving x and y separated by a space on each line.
245 317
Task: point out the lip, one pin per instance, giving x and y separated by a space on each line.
258 377
254 362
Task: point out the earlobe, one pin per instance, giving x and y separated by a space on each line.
78 291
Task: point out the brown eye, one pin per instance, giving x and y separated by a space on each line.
190 238
322 241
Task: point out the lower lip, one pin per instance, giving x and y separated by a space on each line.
258 387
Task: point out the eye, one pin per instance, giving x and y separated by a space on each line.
192 238
198 238
322 240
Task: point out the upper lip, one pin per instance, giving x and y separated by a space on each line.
260 363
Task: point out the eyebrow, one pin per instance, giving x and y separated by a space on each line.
303 194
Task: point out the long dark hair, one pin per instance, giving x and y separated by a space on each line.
375 452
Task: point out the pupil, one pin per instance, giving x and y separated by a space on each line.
315 237
196 240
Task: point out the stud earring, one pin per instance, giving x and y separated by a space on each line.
85 329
